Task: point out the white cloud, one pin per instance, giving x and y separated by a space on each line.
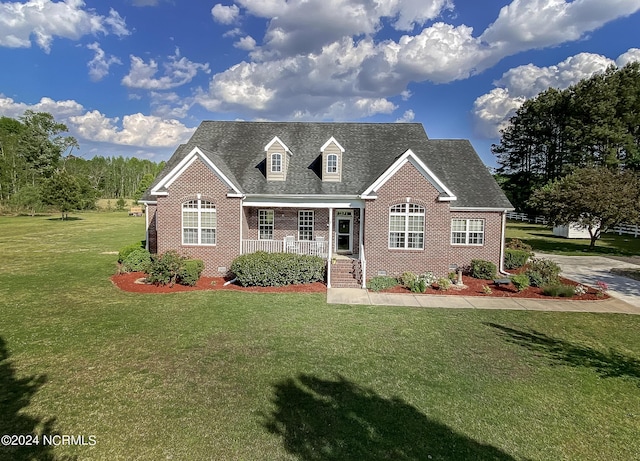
225 14
99 65
492 111
246 43
59 109
178 71
137 130
44 20
407 117
632 55
528 24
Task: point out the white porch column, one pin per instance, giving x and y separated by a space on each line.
363 260
330 250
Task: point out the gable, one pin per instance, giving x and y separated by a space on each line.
409 158
195 154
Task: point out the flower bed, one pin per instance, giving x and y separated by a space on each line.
474 287
132 282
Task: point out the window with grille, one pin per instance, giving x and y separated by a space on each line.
467 231
199 223
305 225
265 224
276 163
332 163
406 226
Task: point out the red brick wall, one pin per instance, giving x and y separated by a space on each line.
198 178
438 253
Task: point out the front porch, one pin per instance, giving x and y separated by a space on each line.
317 247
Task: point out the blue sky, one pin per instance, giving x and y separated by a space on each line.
136 77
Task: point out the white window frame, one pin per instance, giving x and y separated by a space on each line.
467 234
264 224
201 208
276 166
306 221
409 210
332 167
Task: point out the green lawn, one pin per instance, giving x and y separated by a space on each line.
541 238
235 376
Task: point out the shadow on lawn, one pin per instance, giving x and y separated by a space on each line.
611 364
324 420
15 396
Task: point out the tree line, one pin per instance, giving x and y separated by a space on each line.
573 155
38 168
595 123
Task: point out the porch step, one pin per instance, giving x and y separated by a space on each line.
346 273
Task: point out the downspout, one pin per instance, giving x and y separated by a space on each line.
146 226
363 260
241 225
504 227
329 251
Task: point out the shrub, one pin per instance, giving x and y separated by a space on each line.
382 282
515 258
481 269
557 289
444 283
517 244
125 251
428 278
408 279
138 260
486 289
190 271
277 269
542 272
520 281
419 286
580 290
164 269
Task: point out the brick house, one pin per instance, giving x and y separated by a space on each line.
371 198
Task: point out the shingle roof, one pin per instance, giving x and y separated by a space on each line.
237 148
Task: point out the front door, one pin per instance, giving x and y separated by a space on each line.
344 231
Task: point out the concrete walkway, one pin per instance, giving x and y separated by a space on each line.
583 269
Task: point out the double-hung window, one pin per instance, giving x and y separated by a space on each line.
276 163
332 163
265 224
199 223
467 231
406 226
305 225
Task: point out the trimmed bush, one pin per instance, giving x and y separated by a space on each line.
126 251
419 286
190 272
277 269
164 269
408 279
520 281
563 291
382 282
542 272
137 261
481 269
514 259
444 283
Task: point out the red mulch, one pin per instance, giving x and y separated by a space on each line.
127 282
474 288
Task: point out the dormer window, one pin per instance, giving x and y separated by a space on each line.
332 163
276 163
332 153
277 160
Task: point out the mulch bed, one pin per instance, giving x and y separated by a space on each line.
474 288
132 282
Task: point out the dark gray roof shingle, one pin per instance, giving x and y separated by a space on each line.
237 148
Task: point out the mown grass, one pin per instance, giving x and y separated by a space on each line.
238 376
541 238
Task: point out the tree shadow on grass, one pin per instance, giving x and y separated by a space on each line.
610 364
15 396
331 420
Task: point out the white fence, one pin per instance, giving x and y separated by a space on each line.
627 229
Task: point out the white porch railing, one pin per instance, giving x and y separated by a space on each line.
301 247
